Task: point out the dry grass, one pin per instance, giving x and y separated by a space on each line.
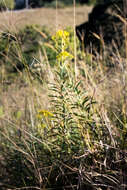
22 95
16 94
43 16
28 96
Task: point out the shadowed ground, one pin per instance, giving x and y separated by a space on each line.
106 26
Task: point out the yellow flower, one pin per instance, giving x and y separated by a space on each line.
45 113
60 34
62 43
63 56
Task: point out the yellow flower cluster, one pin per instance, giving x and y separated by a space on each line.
45 113
60 34
63 56
61 39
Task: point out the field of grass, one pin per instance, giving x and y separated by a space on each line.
44 16
63 114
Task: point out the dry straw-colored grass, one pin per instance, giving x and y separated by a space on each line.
106 86
14 20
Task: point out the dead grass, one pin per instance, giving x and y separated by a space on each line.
14 97
22 95
14 20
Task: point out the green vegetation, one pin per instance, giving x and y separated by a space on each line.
63 122
7 4
10 4
53 2
21 49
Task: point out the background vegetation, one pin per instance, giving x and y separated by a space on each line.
4 4
10 4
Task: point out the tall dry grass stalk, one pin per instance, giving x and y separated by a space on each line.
75 48
56 15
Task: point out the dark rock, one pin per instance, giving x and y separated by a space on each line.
105 27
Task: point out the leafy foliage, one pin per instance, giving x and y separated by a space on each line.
22 49
7 4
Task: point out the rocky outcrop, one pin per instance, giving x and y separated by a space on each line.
106 27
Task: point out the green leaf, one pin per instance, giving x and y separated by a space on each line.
18 114
1 111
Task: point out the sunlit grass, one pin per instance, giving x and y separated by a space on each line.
58 130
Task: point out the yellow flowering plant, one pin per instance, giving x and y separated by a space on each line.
44 118
63 56
62 43
70 127
61 39
44 113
